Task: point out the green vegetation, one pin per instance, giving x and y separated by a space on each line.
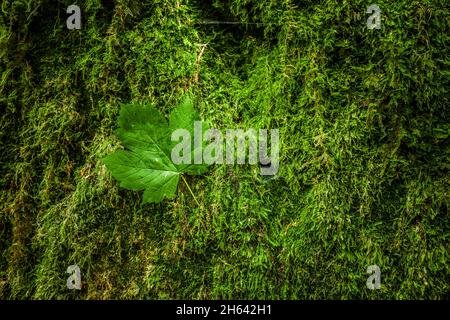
364 157
147 163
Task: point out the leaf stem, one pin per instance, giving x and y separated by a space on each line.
190 190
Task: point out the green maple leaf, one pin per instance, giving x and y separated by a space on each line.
146 163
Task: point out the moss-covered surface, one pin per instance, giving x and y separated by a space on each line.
363 118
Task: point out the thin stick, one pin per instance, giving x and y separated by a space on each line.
230 22
190 190
197 62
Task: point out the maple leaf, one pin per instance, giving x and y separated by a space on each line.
146 162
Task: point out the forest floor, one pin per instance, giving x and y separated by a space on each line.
364 156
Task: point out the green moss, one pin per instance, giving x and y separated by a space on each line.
363 119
